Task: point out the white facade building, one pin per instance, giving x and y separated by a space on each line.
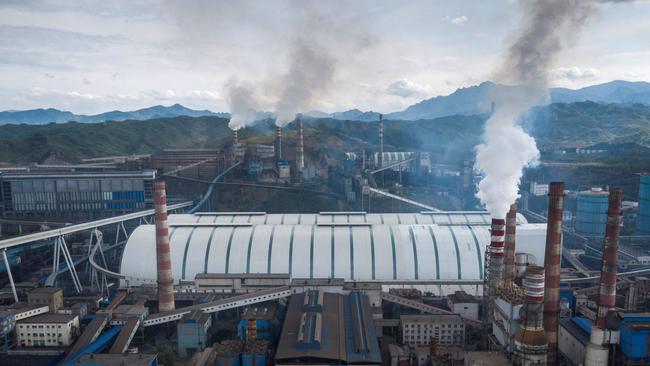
47 330
418 330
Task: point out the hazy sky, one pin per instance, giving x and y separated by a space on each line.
95 56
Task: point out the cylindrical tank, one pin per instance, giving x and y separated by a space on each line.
591 212
643 217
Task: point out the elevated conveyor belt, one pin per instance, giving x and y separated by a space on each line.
413 304
399 198
121 296
126 335
96 346
90 333
218 305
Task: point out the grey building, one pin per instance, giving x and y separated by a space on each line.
192 331
74 195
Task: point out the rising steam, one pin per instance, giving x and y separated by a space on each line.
548 26
310 76
243 105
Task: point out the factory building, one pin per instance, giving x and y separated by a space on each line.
328 328
419 330
643 216
591 212
47 330
354 246
50 296
192 332
74 195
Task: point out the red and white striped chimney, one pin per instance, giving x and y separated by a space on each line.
531 345
163 258
380 159
509 244
278 142
495 254
235 137
300 150
552 259
607 295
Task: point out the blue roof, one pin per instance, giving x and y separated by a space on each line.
583 323
636 317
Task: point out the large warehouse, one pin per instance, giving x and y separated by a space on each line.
390 248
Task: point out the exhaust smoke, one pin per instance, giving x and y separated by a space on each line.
548 26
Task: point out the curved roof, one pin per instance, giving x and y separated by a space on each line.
362 251
425 217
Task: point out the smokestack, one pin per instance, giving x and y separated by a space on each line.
607 297
278 142
509 244
235 137
531 344
381 141
163 258
300 150
495 254
552 259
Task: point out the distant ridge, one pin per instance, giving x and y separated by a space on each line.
51 115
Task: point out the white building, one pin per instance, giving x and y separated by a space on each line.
460 302
538 189
355 246
53 330
418 330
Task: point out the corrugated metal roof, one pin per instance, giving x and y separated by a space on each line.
384 252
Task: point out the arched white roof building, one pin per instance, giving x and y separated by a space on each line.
440 246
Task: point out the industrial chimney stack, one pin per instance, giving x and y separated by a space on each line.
509 244
531 344
235 137
495 257
300 150
552 259
597 350
163 258
278 142
381 141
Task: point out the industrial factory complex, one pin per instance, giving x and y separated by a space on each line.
131 260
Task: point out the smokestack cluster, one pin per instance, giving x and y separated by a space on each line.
509 244
381 141
278 142
163 258
531 344
607 294
300 149
235 137
552 259
495 254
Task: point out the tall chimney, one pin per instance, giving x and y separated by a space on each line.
163 258
495 254
235 137
531 345
381 141
278 142
597 352
607 294
300 150
509 244
552 259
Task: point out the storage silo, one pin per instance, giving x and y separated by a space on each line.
643 217
591 212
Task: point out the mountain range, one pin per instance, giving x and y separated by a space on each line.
44 116
473 100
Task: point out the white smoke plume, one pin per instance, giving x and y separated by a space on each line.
547 27
243 104
310 76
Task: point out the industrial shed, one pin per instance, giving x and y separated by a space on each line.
429 246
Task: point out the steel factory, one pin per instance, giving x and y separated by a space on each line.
138 260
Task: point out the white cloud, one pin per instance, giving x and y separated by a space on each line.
575 73
406 88
459 20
